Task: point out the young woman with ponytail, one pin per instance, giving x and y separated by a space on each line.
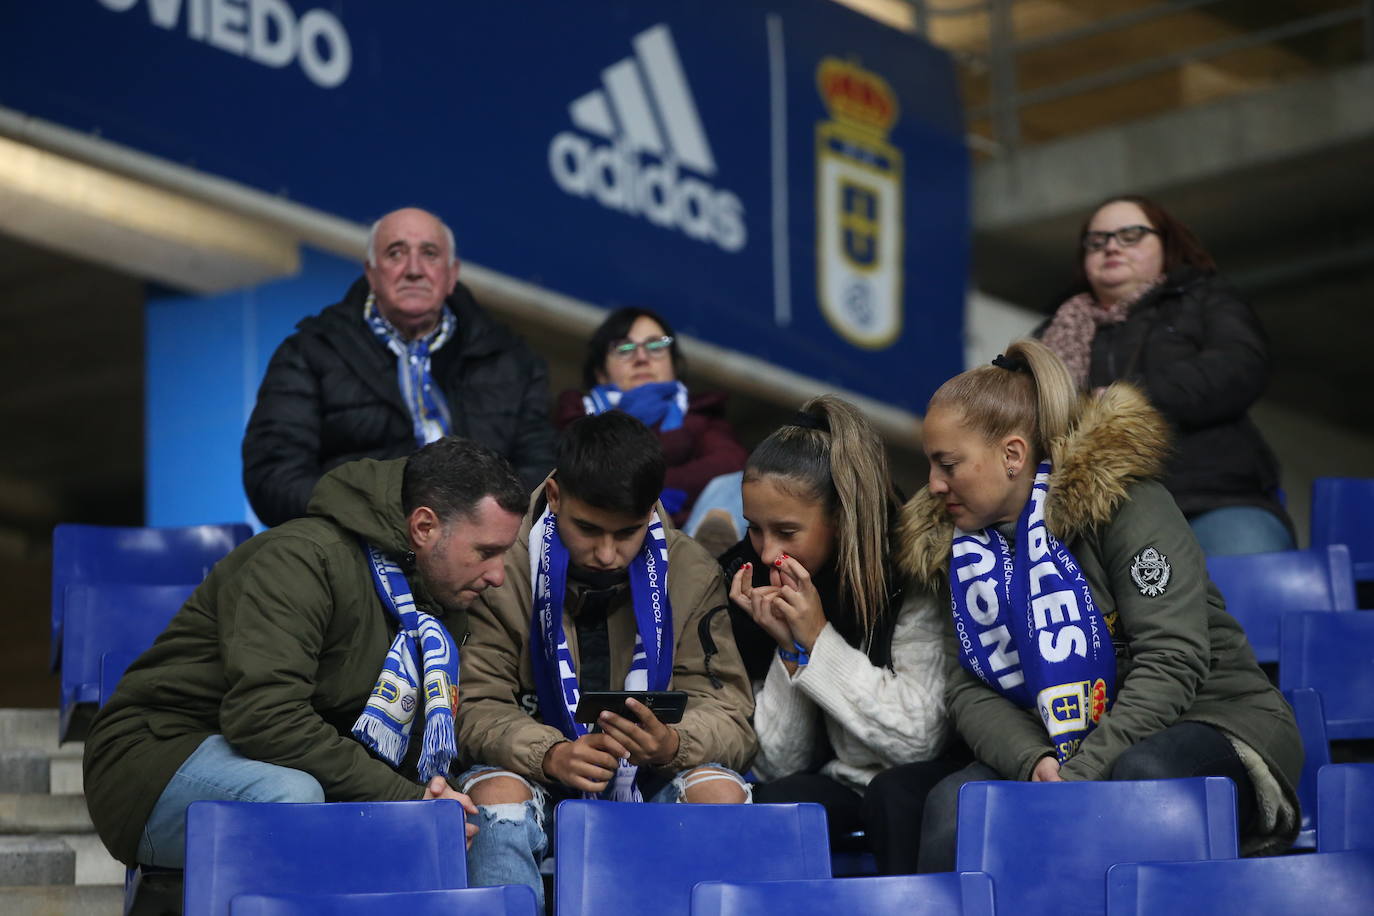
1090 642
850 712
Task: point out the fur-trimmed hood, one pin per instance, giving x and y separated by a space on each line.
1119 439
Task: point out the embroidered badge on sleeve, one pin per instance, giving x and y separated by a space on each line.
1151 572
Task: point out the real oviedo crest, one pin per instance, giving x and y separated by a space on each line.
858 206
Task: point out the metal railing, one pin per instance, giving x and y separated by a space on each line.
1006 101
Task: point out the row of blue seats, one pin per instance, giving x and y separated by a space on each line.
1245 887
1025 848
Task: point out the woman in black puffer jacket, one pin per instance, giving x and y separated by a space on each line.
1151 309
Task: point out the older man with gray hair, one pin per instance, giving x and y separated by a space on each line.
407 357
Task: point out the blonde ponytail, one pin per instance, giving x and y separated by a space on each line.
1030 393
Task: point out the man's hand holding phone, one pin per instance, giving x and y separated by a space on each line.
587 764
647 740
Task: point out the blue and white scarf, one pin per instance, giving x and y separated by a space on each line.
429 414
555 677
661 404
656 402
1028 626
421 643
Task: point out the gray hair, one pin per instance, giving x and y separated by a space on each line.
372 241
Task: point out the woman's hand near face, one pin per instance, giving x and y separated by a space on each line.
758 602
797 600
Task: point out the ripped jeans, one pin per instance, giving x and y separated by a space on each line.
512 839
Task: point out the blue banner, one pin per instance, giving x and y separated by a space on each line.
792 185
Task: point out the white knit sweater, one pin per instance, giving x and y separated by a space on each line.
875 718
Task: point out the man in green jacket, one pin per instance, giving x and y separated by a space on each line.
262 686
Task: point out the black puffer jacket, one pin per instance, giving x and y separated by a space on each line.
330 396
1199 353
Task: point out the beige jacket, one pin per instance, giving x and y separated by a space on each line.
499 724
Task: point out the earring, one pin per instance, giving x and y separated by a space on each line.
1010 473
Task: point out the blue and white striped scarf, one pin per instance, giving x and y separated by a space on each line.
421 643
429 414
655 404
555 678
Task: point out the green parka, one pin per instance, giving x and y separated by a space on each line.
1180 656
277 650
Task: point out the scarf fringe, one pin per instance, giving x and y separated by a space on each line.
381 738
439 751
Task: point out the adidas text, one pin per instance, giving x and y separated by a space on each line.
617 177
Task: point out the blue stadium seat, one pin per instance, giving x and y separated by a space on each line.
1260 587
1047 846
1307 709
1342 508
504 900
620 858
237 848
103 618
133 556
945 894
1331 653
1345 807
112 668
1333 884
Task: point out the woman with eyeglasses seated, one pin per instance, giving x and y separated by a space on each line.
1149 308
632 364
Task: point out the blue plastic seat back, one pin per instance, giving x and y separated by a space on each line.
134 556
1345 807
1333 653
1307 710
944 894
112 668
1341 511
645 858
103 618
1047 846
1332 884
237 848
1260 587
503 900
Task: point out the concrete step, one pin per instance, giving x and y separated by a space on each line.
79 900
31 728
24 814
36 770
36 860
94 864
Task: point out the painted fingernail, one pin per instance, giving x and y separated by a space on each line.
778 561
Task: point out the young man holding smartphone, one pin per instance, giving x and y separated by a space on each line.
601 594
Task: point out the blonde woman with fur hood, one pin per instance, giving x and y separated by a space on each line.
1089 641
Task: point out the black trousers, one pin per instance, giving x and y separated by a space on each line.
889 812
1178 752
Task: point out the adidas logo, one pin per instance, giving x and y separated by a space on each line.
645 109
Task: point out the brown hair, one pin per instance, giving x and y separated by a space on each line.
1038 399
842 464
1181 246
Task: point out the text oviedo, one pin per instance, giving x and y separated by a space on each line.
267 32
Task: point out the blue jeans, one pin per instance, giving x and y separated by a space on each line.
1240 529
216 772
721 492
512 838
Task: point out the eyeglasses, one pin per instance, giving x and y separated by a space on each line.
657 348
1126 236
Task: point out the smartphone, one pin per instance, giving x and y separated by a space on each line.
667 705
